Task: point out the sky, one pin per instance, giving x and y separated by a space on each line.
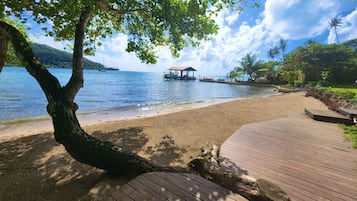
254 30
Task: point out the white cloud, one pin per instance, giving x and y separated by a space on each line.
233 41
212 57
298 19
232 18
287 19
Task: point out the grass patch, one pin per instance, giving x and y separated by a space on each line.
350 134
348 92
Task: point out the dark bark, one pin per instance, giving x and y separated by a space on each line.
89 150
3 42
3 50
76 80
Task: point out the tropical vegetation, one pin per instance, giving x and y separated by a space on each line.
346 92
312 64
249 65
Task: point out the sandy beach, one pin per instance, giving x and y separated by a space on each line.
34 167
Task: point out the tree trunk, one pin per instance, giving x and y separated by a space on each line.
89 150
3 50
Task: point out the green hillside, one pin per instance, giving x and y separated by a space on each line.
54 58
51 58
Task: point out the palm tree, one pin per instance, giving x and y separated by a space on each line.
273 52
334 23
282 47
250 65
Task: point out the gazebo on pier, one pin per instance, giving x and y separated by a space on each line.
180 73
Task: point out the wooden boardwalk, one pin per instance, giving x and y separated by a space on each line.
310 160
172 186
329 116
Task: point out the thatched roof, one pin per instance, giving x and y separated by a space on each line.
182 68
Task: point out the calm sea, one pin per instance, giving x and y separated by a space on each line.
21 96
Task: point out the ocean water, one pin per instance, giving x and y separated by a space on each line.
21 96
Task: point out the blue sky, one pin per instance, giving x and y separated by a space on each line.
254 30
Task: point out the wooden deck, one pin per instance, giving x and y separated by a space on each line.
308 159
350 113
328 116
172 186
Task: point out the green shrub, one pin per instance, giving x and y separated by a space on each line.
297 83
345 94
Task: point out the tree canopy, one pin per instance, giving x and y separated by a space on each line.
336 62
147 24
249 65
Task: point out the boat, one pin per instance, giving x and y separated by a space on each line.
180 73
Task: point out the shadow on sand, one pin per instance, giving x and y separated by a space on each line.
39 168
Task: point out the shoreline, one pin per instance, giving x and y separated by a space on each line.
37 125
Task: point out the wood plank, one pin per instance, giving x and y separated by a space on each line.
145 191
290 172
328 116
119 195
167 190
325 158
213 190
131 191
308 159
351 113
174 186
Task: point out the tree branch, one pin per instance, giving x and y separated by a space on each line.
3 50
76 80
49 84
105 6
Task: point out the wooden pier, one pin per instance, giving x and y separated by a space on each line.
310 160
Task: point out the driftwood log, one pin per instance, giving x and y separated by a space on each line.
247 186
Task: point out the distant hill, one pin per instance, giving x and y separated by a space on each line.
54 58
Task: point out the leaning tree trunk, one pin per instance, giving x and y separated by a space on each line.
3 50
68 132
89 150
